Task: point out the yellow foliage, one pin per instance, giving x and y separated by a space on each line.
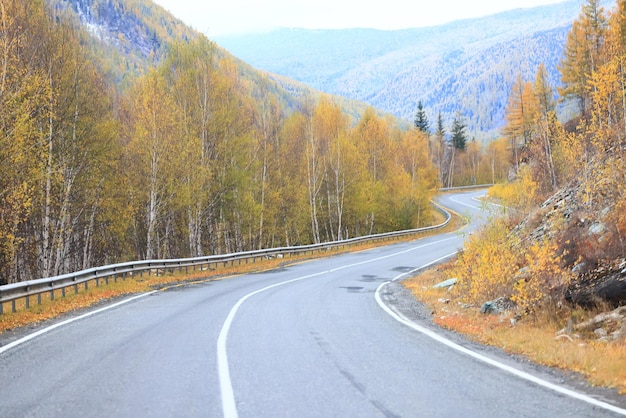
544 274
520 194
487 264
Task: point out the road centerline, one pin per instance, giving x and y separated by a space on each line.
229 405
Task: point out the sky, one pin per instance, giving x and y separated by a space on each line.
226 17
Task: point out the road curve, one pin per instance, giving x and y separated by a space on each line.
326 338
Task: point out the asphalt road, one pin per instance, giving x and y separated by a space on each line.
328 338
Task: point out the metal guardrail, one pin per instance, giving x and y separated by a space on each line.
477 186
13 292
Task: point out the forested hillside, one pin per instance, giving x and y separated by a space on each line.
129 35
132 36
466 66
195 154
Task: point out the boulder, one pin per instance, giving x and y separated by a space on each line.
608 286
447 283
497 306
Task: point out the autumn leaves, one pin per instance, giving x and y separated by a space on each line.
199 155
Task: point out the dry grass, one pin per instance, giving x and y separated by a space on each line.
603 364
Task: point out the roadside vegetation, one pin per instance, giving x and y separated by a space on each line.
535 337
105 293
545 277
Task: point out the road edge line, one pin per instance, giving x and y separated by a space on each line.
450 344
45 330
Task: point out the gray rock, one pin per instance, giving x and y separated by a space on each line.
447 283
597 228
620 334
488 308
578 268
522 274
600 332
497 306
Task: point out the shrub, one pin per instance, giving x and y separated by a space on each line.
546 275
488 263
520 194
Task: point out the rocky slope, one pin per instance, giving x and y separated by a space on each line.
589 242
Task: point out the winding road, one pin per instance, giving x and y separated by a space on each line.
334 337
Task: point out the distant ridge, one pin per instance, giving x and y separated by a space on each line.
466 66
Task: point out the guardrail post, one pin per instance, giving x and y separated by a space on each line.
13 305
1 308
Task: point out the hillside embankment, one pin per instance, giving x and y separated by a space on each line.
548 283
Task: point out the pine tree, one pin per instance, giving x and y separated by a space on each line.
441 131
421 120
459 137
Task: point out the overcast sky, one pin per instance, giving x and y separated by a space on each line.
236 16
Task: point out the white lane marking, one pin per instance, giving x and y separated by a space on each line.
229 405
523 375
479 199
464 204
69 321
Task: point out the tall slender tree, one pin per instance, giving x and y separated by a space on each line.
421 120
459 136
458 141
440 146
583 54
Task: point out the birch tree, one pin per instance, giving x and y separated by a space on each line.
153 136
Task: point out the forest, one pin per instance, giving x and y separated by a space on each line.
189 157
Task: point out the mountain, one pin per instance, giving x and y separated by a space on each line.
467 66
131 36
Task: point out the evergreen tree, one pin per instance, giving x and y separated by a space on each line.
440 147
421 120
459 137
441 131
